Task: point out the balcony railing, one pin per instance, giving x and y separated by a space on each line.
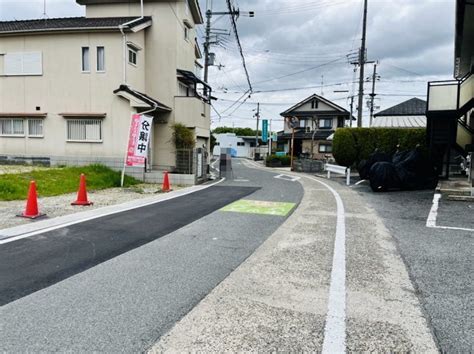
450 95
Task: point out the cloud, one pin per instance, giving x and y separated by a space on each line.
412 40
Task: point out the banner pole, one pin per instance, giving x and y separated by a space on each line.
122 177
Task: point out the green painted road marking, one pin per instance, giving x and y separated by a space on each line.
259 207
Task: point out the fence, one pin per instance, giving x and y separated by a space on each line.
192 161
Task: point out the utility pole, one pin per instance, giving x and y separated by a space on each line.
206 46
372 95
256 131
352 110
362 61
207 43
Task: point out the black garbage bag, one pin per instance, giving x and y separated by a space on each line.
383 177
365 165
415 171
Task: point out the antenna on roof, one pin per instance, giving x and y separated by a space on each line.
45 16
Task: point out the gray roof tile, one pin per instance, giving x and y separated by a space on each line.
412 107
67 23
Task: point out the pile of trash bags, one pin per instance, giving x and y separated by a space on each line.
405 170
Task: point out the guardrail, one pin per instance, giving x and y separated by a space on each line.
340 170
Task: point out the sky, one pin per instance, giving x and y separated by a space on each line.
293 49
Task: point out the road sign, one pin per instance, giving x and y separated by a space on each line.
265 130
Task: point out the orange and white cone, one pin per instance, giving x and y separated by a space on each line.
166 183
31 210
82 193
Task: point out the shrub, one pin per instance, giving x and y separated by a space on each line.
344 149
183 137
285 160
352 145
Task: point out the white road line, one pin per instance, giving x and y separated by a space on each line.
431 221
288 178
59 226
335 328
433 215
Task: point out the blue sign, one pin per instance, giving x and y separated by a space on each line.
265 130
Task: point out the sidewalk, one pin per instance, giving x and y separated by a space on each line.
277 300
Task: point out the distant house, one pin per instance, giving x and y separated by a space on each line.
317 118
408 114
240 145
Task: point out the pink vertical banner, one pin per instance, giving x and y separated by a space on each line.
132 159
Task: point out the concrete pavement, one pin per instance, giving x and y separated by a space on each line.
278 299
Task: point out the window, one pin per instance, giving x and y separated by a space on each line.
325 148
100 59
86 67
12 127
240 143
314 104
35 127
87 130
302 123
23 63
132 56
183 90
325 123
186 32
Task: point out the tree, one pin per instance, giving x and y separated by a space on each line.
237 131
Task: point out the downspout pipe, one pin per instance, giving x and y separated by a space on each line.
124 40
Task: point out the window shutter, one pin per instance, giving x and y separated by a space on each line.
32 64
23 64
13 64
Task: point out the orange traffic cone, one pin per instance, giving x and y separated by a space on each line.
166 183
82 193
31 210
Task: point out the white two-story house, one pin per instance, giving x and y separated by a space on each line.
68 86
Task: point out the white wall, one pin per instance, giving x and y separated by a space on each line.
230 140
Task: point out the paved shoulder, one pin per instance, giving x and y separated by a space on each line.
33 263
278 299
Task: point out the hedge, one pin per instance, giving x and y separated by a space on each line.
351 145
285 160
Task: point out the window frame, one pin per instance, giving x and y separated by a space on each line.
135 52
326 146
97 59
38 136
85 120
12 134
326 119
83 66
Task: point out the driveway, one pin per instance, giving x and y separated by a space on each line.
439 261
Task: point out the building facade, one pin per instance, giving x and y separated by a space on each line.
241 146
450 108
69 86
314 119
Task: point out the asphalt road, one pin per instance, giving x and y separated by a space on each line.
118 283
439 261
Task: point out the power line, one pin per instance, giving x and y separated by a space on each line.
236 33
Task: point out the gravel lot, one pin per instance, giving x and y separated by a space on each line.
61 205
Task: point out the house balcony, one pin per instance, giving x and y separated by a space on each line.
456 96
194 113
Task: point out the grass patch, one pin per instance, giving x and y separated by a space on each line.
57 181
